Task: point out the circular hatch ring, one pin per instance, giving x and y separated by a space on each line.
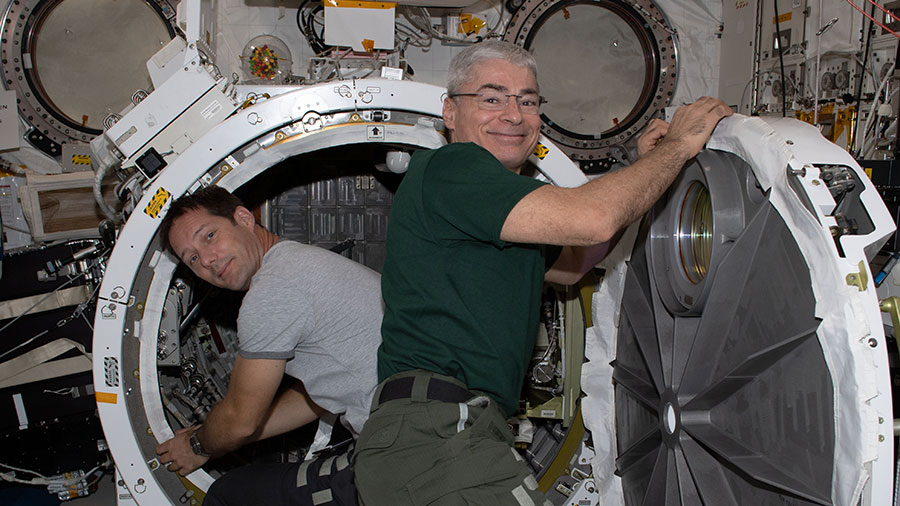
46 105
635 39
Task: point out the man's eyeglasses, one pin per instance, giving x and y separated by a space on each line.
497 101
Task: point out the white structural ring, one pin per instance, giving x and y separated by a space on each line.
762 377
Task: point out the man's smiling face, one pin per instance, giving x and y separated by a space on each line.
507 133
220 251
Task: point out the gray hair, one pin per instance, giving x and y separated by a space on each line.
462 64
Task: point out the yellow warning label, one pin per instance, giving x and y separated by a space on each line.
469 24
157 202
783 18
107 397
868 172
541 151
81 159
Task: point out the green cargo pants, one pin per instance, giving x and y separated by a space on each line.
415 451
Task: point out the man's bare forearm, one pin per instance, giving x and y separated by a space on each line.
292 409
594 212
225 430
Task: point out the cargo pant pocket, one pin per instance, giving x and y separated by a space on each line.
474 462
373 448
486 472
377 434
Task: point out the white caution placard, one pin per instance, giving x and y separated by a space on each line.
9 120
363 26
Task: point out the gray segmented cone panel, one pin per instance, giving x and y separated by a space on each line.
745 376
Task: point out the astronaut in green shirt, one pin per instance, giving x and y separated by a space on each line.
470 244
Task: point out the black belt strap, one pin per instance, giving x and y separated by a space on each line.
438 390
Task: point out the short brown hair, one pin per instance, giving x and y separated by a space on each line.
216 200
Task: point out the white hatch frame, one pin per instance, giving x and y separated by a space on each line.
298 120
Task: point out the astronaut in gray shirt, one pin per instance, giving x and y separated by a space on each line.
308 313
325 324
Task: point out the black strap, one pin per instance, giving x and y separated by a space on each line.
438 390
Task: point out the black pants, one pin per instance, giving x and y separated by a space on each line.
323 481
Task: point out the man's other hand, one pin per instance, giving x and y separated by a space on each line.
650 137
692 124
176 453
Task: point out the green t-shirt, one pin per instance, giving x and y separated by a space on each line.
458 300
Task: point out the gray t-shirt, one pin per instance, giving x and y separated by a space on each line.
322 313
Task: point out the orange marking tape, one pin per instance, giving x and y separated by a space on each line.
107 397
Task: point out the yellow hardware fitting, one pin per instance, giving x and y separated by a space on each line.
859 279
891 305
